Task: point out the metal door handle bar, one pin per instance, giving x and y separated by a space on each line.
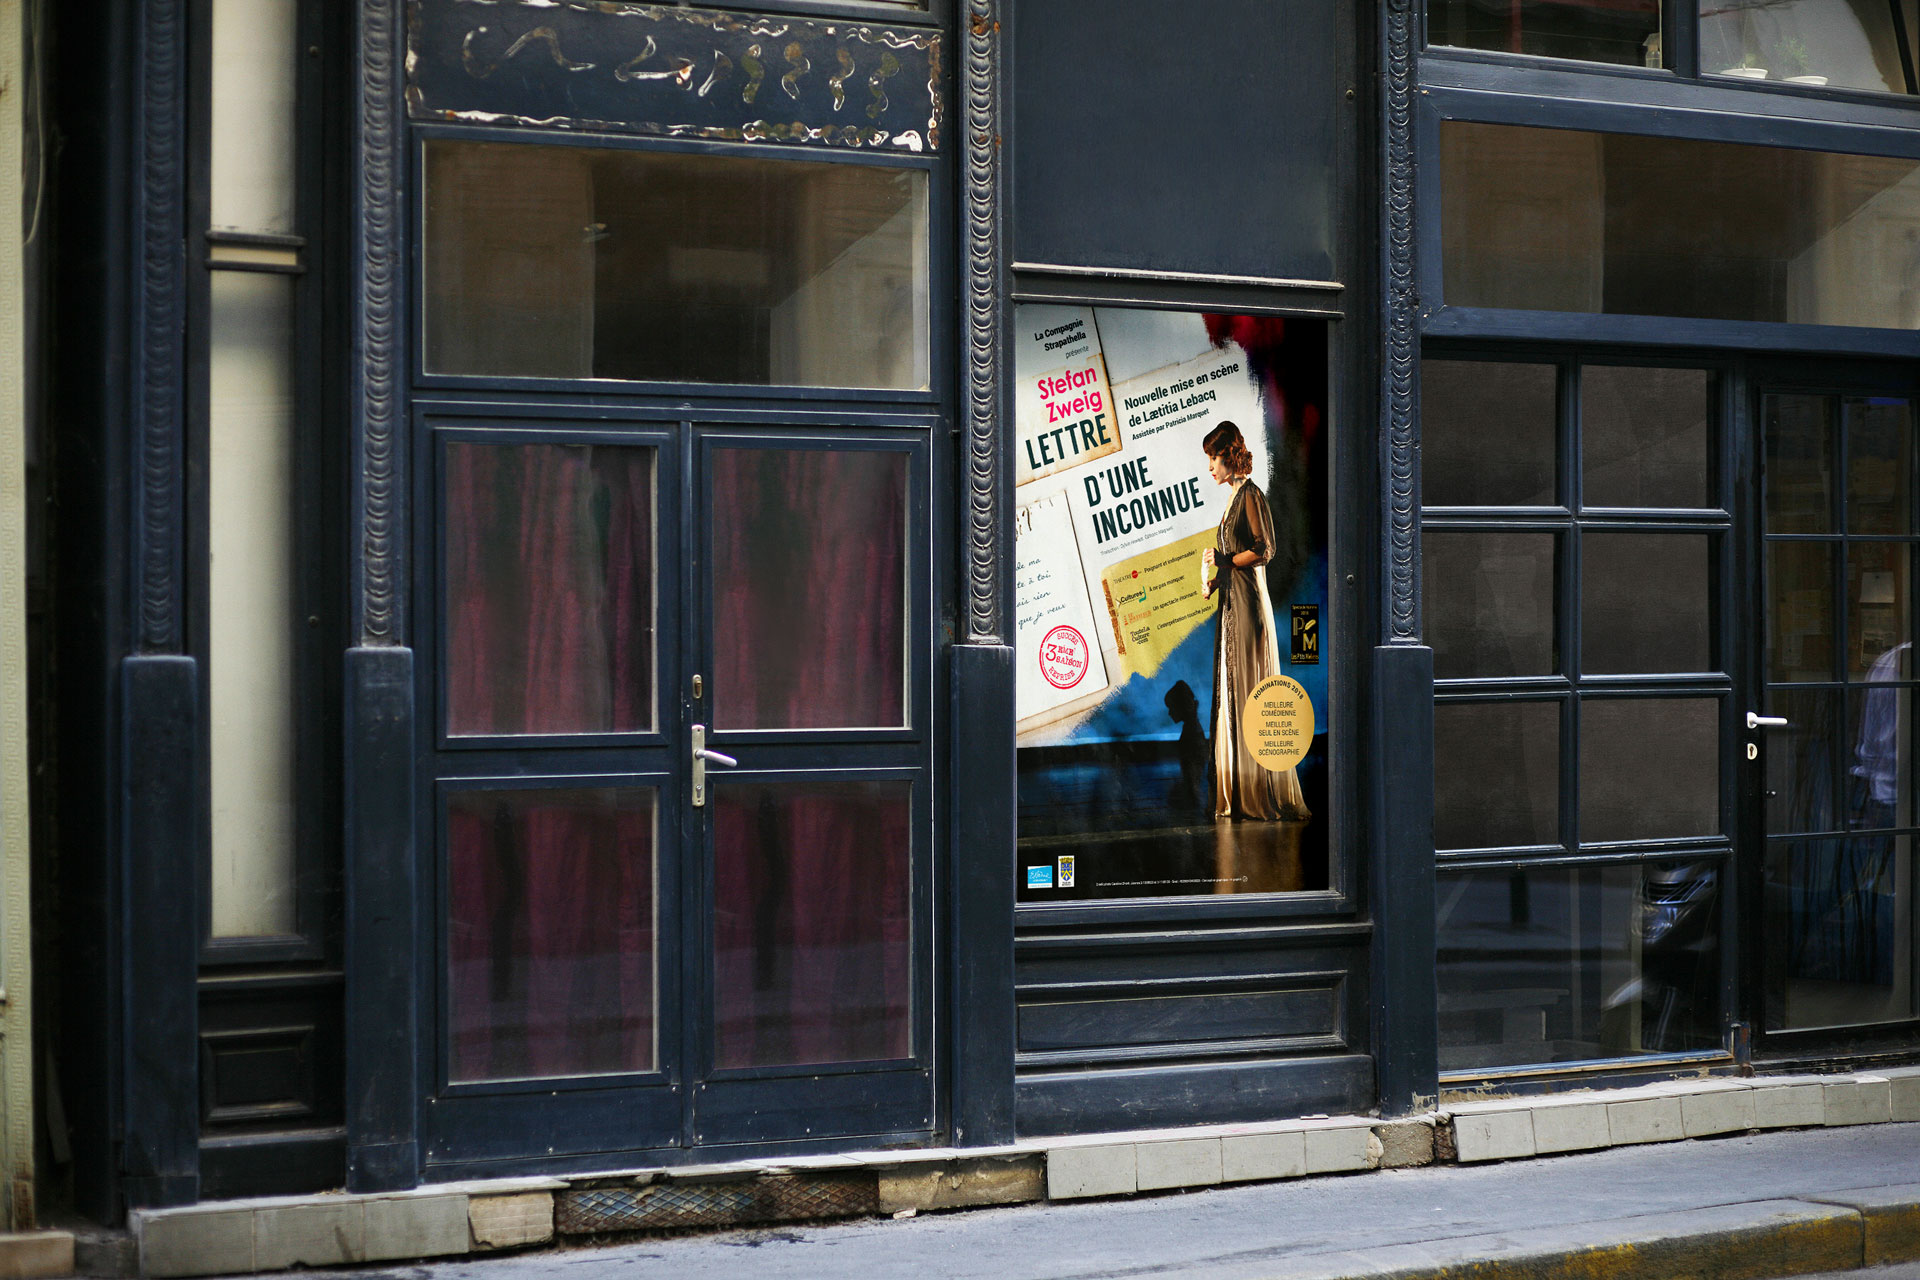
1765 722
700 757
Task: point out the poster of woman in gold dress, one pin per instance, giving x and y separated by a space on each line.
1246 649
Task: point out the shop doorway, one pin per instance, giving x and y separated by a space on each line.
1829 743
683 810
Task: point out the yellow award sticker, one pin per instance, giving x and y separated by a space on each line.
1277 723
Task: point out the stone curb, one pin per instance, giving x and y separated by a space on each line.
474 1218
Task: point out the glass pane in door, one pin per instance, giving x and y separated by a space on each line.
809 588
812 932
1838 869
550 570
550 932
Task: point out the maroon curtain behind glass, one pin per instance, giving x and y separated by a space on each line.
550 933
812 923
812 944
809 582
549 588
549 562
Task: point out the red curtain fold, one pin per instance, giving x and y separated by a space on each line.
551 933
549 588
809 584
812 923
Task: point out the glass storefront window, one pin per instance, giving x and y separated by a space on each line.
1173 710
1622 224
572 262
1625 32
1562 964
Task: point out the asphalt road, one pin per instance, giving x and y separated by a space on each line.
1249 1232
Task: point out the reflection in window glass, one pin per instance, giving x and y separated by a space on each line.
1562 964
1643 436
1649 768
1644 604
1802 758
569 262
1489 600
1801 643
1563 220
1879 465
1496 774
1850 44
1879 605
1153 602
1841 912
550 932
1800 463
1627 32
1487 433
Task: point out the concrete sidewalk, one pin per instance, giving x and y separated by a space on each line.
1755 1205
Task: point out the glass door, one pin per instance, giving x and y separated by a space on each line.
808 750
685 876
1834 737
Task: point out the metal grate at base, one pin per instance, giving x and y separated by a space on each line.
773 1198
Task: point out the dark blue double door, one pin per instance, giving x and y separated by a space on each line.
681 786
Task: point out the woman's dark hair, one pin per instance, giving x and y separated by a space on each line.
1225 443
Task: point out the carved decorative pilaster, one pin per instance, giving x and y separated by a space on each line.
378 601
158 494
1400 393
981 236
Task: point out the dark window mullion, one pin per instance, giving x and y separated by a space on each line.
1567 607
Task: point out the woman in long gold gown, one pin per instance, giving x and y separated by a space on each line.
1246 649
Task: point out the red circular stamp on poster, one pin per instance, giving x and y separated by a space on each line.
1063 657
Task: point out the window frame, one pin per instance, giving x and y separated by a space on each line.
940 279
1439 319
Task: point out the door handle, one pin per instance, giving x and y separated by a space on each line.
700 757
1765 722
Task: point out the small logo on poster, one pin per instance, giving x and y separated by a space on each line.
1306 635
1063 657
1039 877
1066 871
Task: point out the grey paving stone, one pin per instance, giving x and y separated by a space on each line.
1193 1162
1075 1173
1645 1120
196 1243
1720 1111
417 1227
1858 1100
1493 1135
1570 1126
310 1235
1260 1157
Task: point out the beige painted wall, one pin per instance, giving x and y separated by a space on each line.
16 1040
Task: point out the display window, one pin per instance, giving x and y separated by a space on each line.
1170 566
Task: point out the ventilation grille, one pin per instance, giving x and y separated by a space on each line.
666 1205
